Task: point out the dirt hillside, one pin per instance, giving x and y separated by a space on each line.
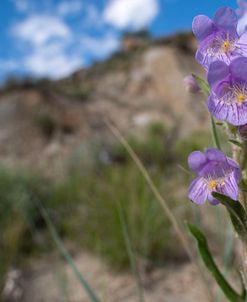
42 122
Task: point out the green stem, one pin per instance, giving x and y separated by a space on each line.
244 158
215 134
236 154
243 167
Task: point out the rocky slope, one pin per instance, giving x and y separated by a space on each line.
41 123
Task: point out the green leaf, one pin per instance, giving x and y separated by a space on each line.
235 142
202 84
243 283
231 128
207 258
237 214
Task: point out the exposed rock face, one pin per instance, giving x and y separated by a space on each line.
42 124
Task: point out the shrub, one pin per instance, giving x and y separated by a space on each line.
46 123
19 219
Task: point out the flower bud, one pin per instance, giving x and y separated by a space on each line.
242 130
190 84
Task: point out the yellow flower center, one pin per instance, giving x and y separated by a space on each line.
239 93
226 46
212 184
240 98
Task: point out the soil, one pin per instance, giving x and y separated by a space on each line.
55 282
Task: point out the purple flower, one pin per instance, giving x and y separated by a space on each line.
218 38
242 7
216 173
228 98
242 12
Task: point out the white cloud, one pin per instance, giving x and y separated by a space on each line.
50 39
100 47
132 14
69 7
51 60
53 50
41 28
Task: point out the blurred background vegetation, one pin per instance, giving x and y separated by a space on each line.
83 205
56 152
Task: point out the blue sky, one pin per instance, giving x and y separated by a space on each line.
53 38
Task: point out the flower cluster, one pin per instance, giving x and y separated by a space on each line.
218 38
222 51
216 172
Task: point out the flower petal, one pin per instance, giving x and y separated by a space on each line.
203 58
202 26
226 18
217 72
213 201
242 7
217 107
198 191
196 161
237 114
241 27
238 69
236 168
241 45
242 13
230 187
215 155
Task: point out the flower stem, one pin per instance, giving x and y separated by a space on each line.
236 154
244 157
215 134
244 258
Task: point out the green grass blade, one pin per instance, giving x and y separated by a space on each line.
207 258
130 251
66 254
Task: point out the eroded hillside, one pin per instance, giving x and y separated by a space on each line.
43 122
